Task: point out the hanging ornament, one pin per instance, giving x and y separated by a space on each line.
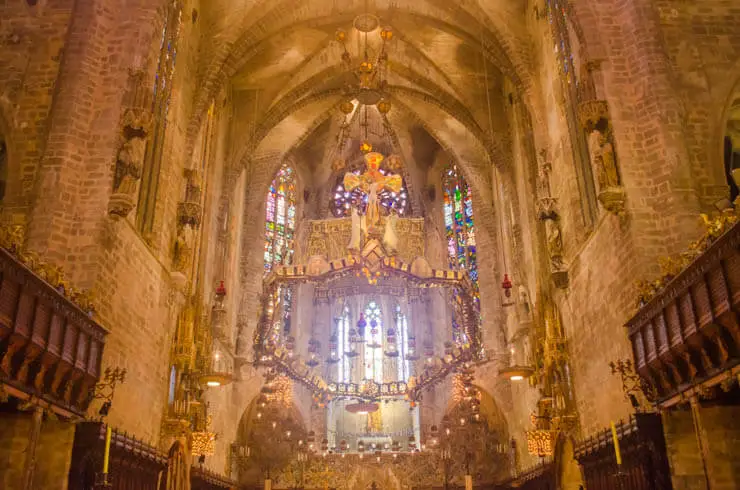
411 354
366 147
333 349
507 285
347 107
361 324
390 347
221 290
384 106
313 352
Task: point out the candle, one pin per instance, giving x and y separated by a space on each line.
106 454
468 482
616 444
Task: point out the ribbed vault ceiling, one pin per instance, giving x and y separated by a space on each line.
284 52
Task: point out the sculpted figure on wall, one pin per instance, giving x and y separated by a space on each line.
594 118
554 243
603 160
548 214
545 201
135 123
129 166
183 248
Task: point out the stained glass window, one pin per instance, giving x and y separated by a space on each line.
459 225
280 216
161 96
373 342
402 329
342 199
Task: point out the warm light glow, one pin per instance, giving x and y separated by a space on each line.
517 378
213 383
362 413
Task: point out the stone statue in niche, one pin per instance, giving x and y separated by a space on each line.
128 170
129 165
545 201
183 248
546 209
594 118
554 244
603 160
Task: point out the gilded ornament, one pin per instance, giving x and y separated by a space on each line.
673 266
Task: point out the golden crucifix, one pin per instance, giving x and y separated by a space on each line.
372 183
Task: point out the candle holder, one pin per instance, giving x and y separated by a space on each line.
101 481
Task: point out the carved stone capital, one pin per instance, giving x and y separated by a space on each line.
546 208
189 213
591 112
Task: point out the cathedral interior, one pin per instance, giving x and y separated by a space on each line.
369 244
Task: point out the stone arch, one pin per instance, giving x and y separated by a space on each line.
484 441
252 432
178 466
568 474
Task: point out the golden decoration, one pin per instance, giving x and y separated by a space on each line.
673 266
384 106
12 238
540 442
347 107
366 147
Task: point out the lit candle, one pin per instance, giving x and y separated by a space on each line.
616 444
106 454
